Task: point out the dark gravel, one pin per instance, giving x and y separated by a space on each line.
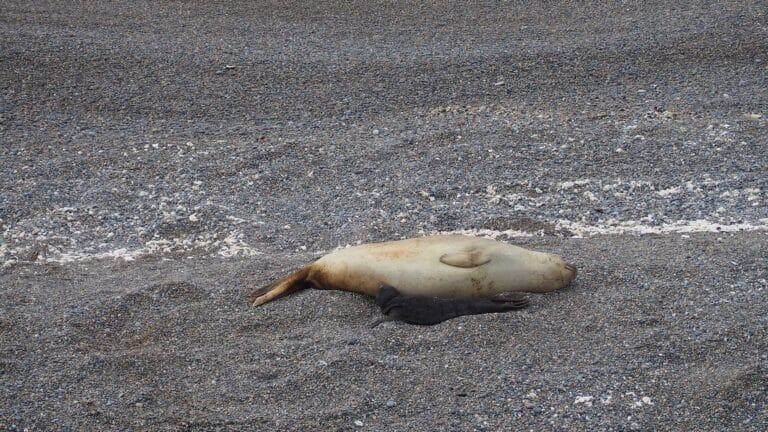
220 145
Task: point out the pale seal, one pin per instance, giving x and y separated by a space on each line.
446 266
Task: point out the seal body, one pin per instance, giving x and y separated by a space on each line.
445 266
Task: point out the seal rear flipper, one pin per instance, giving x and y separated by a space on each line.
293 282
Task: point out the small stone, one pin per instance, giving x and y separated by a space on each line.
391 403
358 423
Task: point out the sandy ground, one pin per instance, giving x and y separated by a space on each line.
161 159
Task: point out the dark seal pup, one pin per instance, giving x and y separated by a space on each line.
422 310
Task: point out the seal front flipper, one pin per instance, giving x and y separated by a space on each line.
466 259
287 285
515 298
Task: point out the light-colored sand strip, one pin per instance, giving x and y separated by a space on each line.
233 246
228 247
579 230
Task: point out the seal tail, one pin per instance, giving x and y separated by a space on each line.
293 282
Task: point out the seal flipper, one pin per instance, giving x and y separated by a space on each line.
289 284
466 259
511 297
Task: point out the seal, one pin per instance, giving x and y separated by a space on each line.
422 310
444 266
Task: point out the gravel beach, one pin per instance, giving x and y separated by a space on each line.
159 160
